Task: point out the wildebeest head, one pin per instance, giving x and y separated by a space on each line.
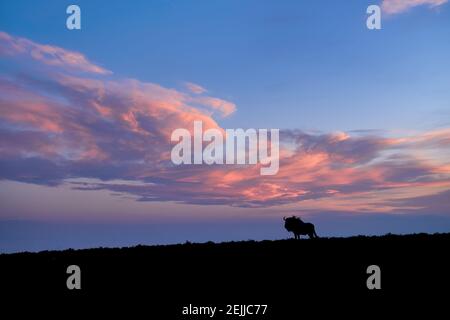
292 223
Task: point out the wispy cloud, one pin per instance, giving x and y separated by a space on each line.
195 88
399 6
47 54
57 125
225 108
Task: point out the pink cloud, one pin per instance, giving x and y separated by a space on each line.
50 55
139 113
225 108
399 6
60 126
195 88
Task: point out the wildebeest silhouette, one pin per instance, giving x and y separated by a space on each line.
298 227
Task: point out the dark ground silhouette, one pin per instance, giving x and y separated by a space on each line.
286 274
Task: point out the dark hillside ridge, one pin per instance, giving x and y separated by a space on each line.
280 273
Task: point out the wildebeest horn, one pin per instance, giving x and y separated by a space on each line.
284 218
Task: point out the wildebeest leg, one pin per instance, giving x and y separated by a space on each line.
315 234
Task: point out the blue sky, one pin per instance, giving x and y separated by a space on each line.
288 65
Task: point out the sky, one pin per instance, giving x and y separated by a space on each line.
86 117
